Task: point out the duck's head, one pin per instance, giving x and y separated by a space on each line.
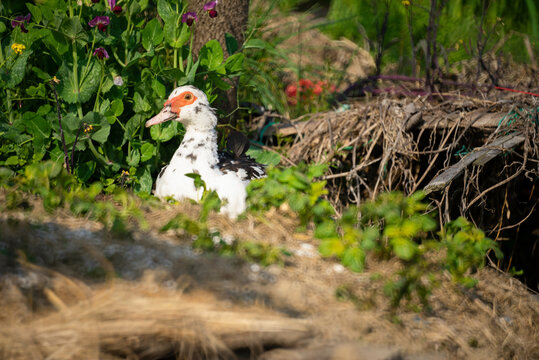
188 105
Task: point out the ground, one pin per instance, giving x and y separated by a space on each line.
71 289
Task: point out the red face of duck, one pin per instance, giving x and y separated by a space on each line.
172 108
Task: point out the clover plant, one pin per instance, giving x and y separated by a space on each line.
108 65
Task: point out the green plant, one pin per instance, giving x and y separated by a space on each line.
466 248
59 189
296 186
394 226
458 22
112 66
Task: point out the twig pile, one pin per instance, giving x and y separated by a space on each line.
402 144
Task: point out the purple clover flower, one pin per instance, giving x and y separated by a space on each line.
100 21
101 53
189 17
112 3
19 21
210 5
210 8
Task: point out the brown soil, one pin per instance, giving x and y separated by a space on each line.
71 290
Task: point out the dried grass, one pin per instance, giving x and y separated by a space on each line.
135 320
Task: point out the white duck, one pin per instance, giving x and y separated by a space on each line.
226 173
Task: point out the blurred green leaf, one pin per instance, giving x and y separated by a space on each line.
255 44
231 44
354 259
331 247
404 248
234 64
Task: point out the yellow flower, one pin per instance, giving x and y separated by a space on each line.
125 173
18 48
55 80
88 129
406 3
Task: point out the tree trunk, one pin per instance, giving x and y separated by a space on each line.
231 18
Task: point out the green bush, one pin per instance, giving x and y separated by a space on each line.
111 72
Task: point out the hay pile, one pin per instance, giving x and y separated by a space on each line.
142 320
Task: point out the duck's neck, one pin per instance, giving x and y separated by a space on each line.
199 148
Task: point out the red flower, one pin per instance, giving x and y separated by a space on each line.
317 89
305 83
101 53
100 21
291 93
189 18
210 8
117 9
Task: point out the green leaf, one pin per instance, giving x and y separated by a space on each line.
12 160
164 132
331 247
316 170
159 88
147 151
327 229
234 64
231 43
133 158
211 55
182 37
354 259
2 27
193 72
176 34
369 238
117 107
145 182
134 8
132 126
199 183
36 12
255 44
85 170
404 248
72 28
140 103
40 129
16 74
102 134
152 34
165 10
264 157
175 75
89 82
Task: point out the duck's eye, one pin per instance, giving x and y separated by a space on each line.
188 96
